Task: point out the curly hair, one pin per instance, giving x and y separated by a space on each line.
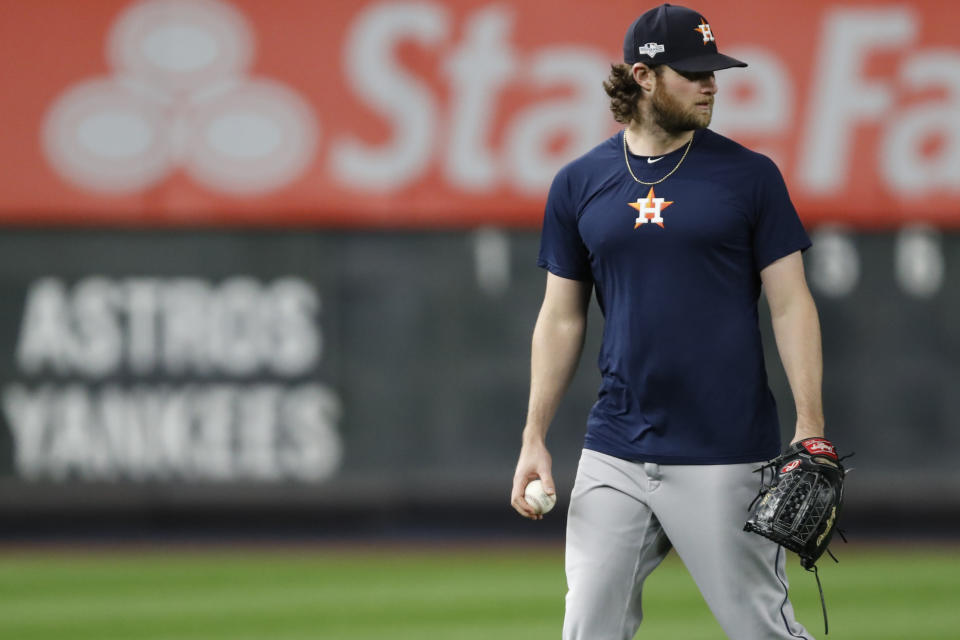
625 93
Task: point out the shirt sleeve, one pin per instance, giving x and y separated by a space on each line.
562 251
777 231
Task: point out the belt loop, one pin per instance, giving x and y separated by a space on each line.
652 469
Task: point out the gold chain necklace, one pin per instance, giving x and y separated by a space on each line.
626 158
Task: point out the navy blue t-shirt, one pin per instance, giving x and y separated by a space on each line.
676 270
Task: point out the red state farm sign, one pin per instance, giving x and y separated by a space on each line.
444 114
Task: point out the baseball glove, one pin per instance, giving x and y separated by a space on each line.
799 507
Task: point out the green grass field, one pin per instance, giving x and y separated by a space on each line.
445 593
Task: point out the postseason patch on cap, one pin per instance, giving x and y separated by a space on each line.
651 49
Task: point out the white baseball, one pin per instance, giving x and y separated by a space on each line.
537 498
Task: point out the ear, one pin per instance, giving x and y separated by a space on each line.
644 76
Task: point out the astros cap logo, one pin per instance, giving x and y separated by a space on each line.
650 209
704 29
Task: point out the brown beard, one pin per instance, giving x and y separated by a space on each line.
672 117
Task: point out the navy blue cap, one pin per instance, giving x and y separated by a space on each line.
675 36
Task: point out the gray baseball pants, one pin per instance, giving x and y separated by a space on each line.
625 516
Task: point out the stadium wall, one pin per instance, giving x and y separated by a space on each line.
228 372
277 258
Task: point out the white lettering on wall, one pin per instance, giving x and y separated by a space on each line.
373 72
478 71
905 165
582 118
195 432
758 102
483 116
841 99
240 327
217 427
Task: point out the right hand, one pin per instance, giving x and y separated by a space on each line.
534 462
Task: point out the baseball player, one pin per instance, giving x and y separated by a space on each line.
675 228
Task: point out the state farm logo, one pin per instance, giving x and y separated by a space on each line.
178 98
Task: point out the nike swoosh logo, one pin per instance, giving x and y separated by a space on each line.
652 160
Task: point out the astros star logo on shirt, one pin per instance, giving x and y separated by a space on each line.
650 209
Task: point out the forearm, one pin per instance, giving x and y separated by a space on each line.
555 352
797 331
